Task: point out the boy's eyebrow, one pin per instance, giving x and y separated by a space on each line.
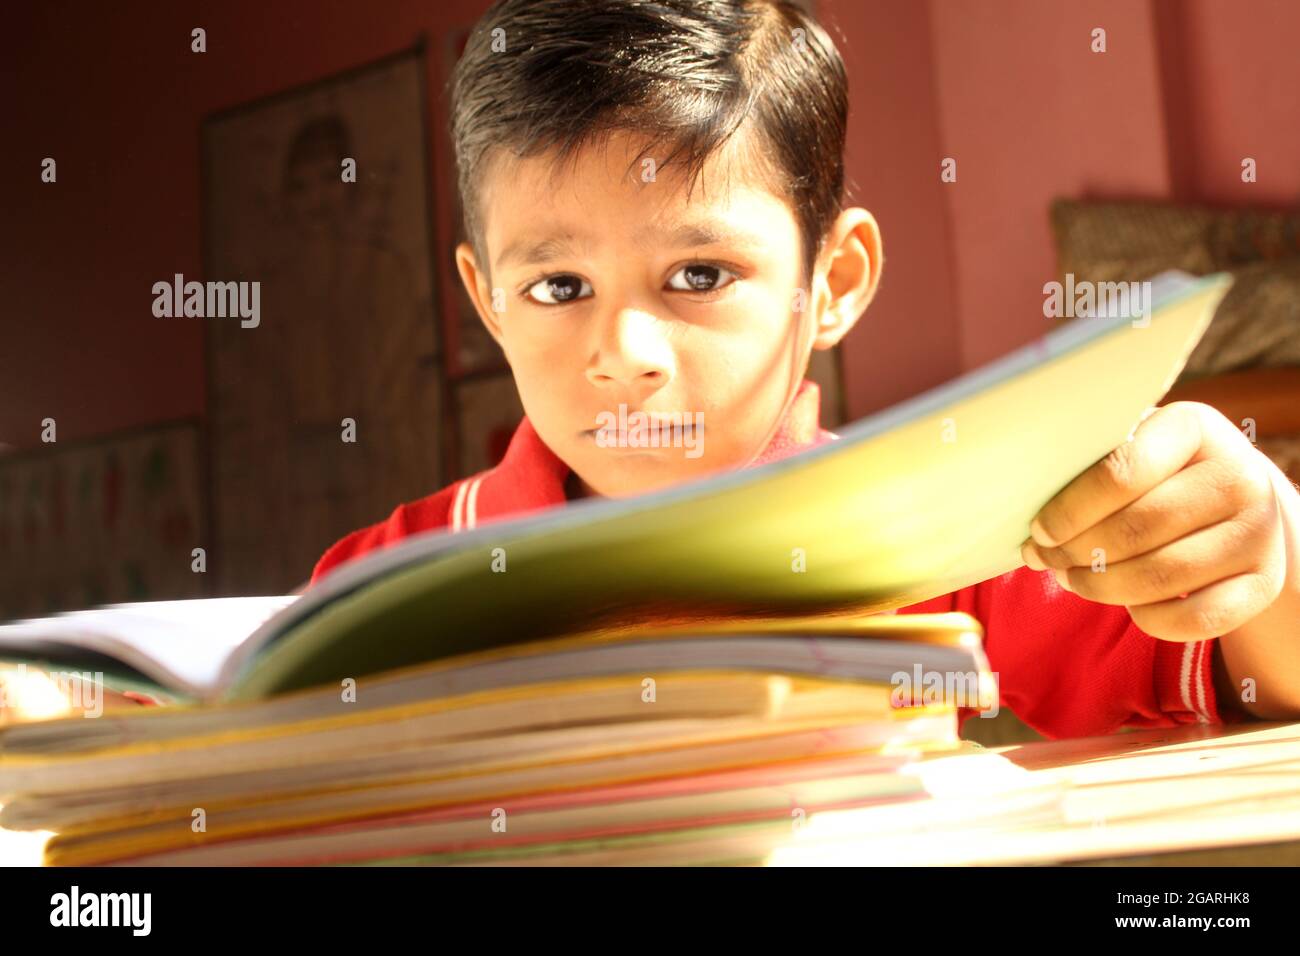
529 251
701 234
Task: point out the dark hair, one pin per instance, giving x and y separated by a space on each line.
687 73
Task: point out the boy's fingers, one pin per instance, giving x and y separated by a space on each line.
1194 498
1212 611
1180 567
1162 444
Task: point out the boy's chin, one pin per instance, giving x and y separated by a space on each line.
640 473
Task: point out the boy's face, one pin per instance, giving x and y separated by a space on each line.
609 287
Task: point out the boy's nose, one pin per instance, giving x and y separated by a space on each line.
633 352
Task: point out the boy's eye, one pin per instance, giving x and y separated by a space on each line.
555 290
699 277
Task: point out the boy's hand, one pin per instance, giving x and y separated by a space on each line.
1182 525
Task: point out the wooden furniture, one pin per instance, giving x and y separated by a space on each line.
1269 397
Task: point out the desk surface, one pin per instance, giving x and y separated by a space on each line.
1201 794
1192 795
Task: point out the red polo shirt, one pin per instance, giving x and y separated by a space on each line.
1066 666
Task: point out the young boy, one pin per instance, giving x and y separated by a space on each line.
653 198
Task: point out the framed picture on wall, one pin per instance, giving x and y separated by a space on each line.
326 414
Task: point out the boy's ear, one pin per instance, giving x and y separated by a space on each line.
846 274
476 284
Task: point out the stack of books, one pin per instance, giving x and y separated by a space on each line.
610 744
707 674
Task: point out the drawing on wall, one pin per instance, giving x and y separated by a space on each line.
326 415
104 521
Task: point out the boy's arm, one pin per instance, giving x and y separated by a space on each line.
1266 649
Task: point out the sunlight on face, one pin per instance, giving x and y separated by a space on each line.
612 295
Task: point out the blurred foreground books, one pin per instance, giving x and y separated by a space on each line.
619 744
699 675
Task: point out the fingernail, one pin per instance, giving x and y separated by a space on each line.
1033 560
1039 535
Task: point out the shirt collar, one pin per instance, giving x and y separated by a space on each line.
532 476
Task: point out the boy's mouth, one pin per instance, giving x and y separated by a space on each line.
647 433
614 436
661 428
651 434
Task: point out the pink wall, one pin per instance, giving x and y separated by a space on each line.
1030 113
1007 87
910 337
1242 80
1185 90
